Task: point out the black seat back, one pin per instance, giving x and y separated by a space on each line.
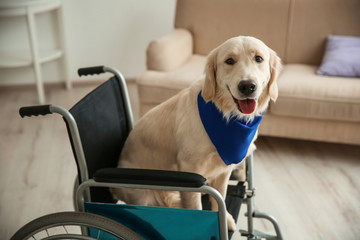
103 128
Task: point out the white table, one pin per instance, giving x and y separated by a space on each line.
36 56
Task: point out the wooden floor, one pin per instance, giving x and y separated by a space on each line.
313 189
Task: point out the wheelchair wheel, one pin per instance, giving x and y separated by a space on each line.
74 225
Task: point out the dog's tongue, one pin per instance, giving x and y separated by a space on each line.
247 106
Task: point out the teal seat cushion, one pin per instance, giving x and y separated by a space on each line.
159 222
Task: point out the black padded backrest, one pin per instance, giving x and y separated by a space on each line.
103 128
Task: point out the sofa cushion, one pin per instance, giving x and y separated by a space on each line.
342 57
212 22
304 94
312 21
156 87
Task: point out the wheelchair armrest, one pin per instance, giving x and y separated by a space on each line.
149 177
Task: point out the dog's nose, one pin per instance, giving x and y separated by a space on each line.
247 87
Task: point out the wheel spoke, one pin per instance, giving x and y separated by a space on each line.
69 225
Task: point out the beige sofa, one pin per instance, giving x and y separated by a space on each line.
309 106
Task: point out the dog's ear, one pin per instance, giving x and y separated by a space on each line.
275 68
209 88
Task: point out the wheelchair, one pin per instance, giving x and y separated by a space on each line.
98 126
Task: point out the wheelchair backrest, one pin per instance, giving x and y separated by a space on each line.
103 128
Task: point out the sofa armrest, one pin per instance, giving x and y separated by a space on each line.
170 51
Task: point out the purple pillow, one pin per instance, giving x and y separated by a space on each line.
342 57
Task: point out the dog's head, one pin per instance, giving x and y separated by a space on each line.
240 77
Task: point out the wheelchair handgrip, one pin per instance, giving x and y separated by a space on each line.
90 70
35 110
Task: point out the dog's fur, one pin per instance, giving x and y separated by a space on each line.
171 136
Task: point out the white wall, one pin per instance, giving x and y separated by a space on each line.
97 32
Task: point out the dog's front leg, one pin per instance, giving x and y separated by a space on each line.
191 200
220 183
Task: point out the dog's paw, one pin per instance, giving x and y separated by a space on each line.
231 223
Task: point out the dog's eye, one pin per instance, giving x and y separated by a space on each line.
230 61
258 59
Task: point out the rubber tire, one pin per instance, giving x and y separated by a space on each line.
78 219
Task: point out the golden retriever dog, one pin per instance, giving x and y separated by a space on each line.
240 79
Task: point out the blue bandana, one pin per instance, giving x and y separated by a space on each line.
231 138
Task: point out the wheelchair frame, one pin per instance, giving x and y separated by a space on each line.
251 233
82 193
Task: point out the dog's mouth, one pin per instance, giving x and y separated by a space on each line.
246 106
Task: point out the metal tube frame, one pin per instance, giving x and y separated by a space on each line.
83 192
251 213
124 92
250 194
76 140
80 199
74 132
